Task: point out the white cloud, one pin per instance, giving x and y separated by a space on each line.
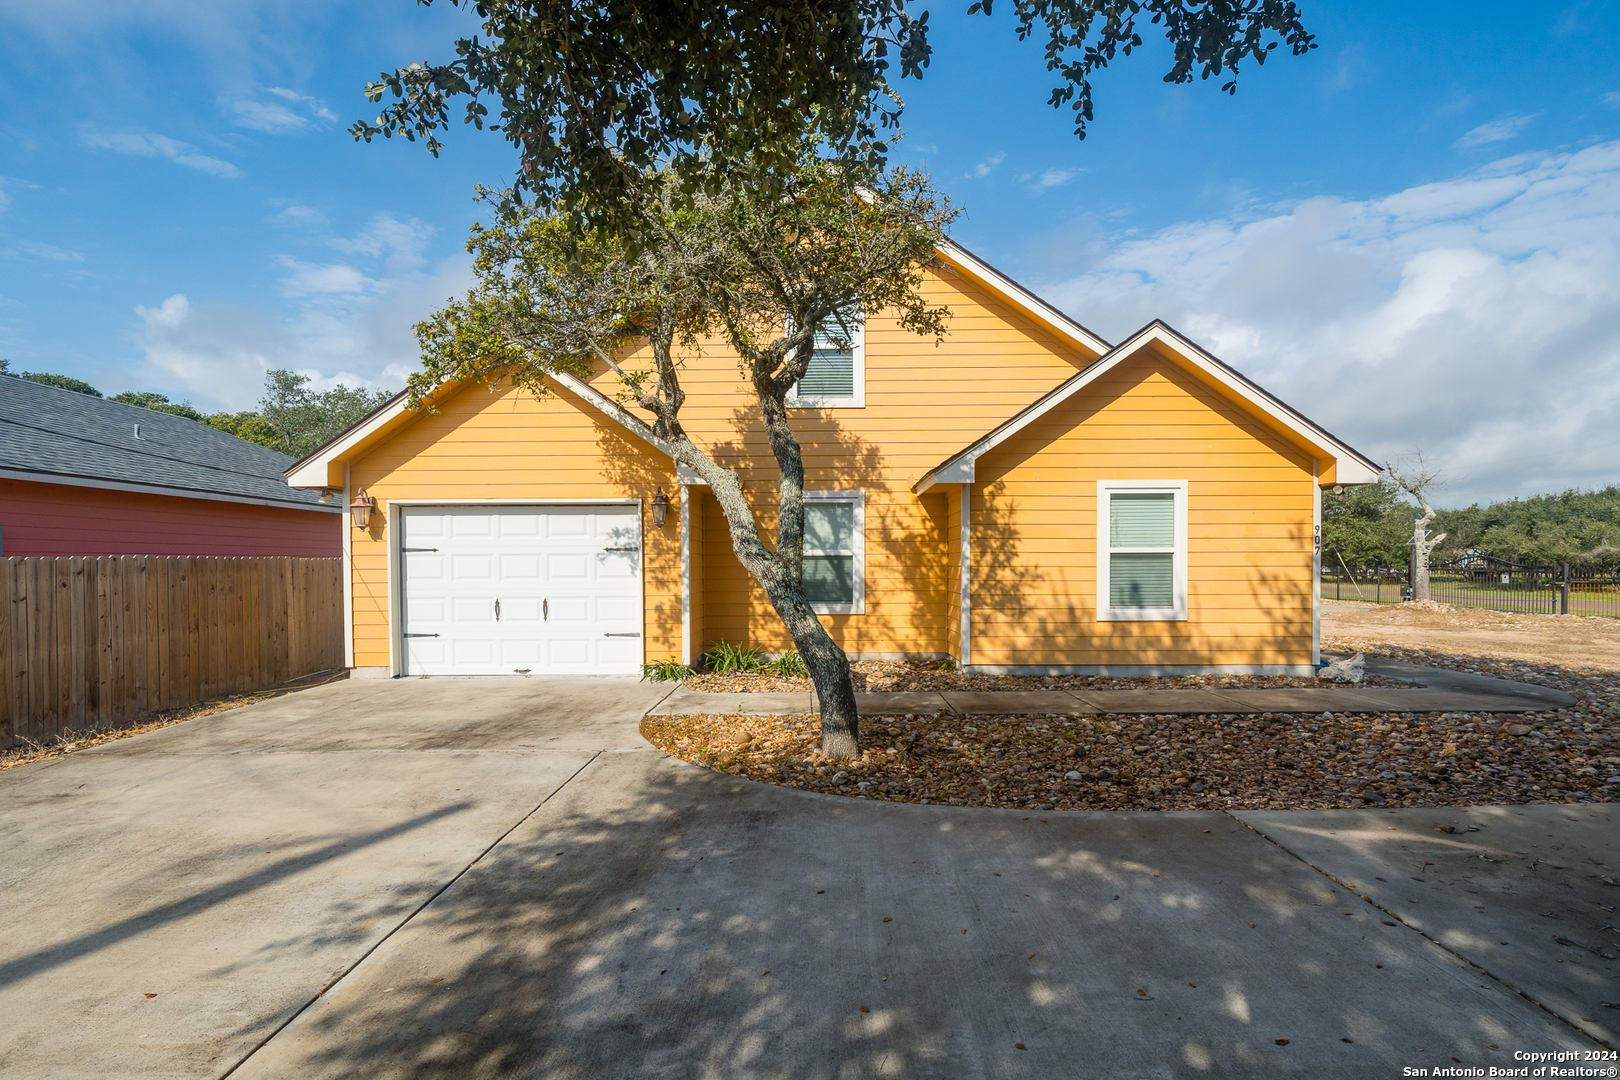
1478 318
347 321
301 216
266 116
1611 99
37 250
315 279
1508 127
1052 178
985 167
149 144
270 117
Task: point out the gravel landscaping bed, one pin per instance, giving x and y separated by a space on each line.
908 675
1286 760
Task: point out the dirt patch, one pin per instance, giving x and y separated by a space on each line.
1581 643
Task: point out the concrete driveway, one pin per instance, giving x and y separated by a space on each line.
500 878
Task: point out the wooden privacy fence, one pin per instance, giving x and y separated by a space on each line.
101 642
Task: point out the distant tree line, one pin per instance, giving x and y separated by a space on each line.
292 418
1369 527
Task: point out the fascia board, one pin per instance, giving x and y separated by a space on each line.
1303 429
625 419
1351 463
1044 313
315 471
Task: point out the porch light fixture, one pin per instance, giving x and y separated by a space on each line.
660 508
360 510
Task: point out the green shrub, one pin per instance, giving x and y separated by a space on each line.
946 664
724 658
788 666
671 670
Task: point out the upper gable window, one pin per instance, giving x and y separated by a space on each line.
836 377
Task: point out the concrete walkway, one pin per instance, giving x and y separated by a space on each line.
465 878
1439 691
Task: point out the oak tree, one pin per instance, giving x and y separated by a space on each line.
762 276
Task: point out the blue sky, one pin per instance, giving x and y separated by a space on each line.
1412 235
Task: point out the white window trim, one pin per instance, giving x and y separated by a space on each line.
857 549
1176 613
854 401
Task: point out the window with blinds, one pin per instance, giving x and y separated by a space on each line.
1142 553
1142 549
834 549
835 374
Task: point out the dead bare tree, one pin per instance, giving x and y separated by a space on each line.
1418 482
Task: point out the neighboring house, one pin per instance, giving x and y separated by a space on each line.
81 475
1023 497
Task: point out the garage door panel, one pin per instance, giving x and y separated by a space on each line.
563 524
519 525
570 611
620 652
560 588
472 610
425 566
616 610
573 567
520 568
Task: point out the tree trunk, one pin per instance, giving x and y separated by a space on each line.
829 671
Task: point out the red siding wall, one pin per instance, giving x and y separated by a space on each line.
55 519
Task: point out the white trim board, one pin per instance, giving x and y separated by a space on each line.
1044 313
857 604
1177 611
311 472
1353 467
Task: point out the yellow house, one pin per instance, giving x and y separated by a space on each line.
1023 498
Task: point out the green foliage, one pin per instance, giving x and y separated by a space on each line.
61 382
1582 527
592 96
671 670
145 399
1367 527
789 666
246 425
946 664
724 658
302 420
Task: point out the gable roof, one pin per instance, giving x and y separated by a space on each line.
56 436
320 469
1354 467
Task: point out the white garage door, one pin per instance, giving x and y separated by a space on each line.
526 590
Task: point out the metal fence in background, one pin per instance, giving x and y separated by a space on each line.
1481 581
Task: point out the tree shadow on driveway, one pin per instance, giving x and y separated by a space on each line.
655 919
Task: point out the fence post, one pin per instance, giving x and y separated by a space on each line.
1564 599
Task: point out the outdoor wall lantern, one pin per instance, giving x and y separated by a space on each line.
660 508
360 510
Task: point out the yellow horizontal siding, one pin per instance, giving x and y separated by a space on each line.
484 446
1249 518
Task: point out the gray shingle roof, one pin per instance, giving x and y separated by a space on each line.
54 433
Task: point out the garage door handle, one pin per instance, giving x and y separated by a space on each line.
420 635
497 611
621 635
